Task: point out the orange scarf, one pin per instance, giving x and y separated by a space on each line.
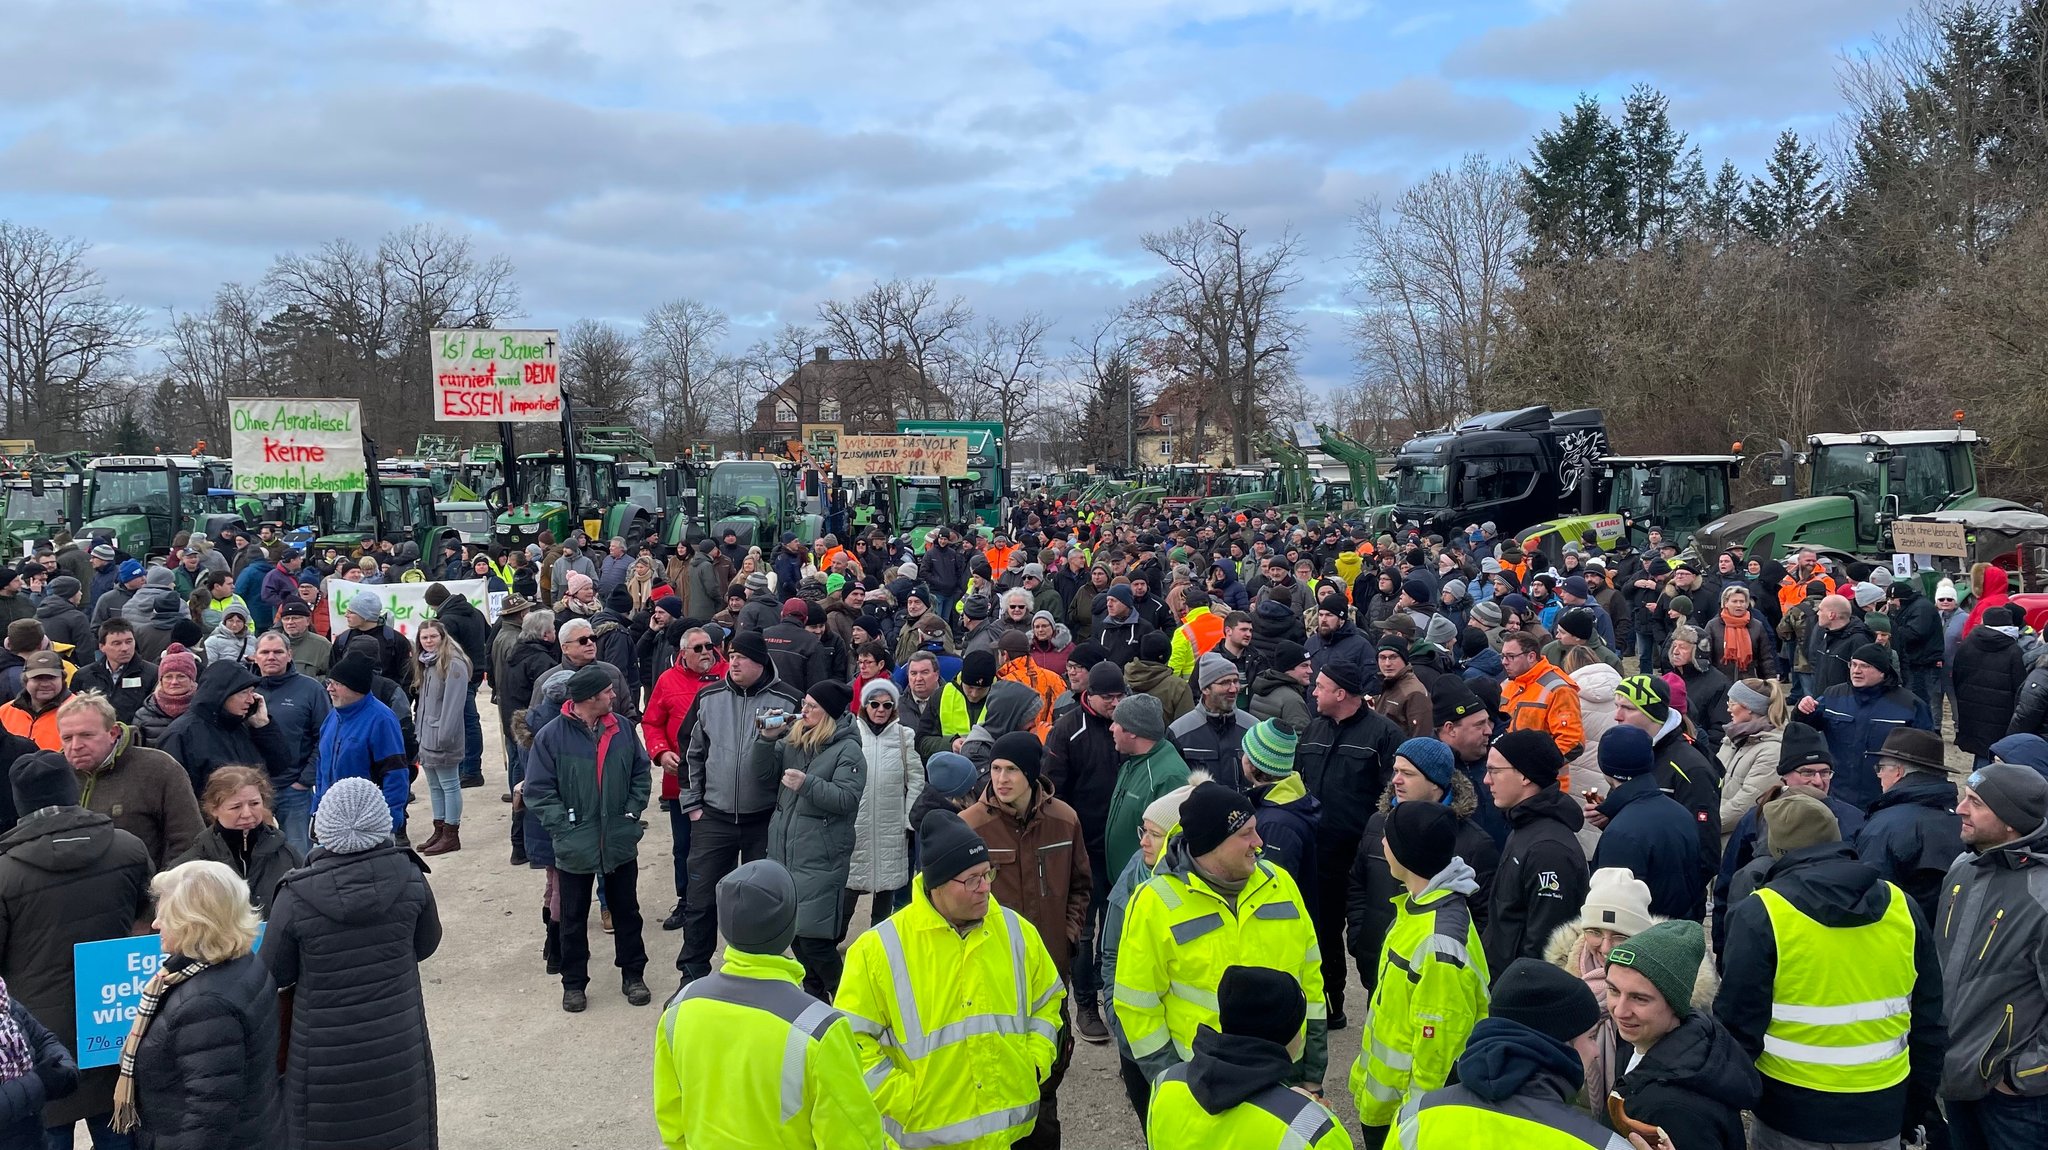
1735 648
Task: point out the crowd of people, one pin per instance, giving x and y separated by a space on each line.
1636 850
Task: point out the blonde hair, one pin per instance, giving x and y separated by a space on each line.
89 701
206 904
1777 713
809 739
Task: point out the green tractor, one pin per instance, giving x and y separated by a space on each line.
143 501
399 508
549 498
45 494
1677 494
756 500
1372 497
1859 483
924 503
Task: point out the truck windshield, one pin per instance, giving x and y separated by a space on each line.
1846 470
752 491
130 492
1422 485
920 506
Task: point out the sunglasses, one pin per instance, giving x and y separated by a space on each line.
581 639
881 705
703 647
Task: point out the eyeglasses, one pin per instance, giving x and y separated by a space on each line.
1814 772
579 640
974 881
703 647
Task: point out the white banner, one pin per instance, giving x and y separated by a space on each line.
281 446
404 604
482 375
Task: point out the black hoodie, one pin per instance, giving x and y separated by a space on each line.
1696 1079
206 736
1827 884
1227 1070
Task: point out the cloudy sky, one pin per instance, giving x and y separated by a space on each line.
765 154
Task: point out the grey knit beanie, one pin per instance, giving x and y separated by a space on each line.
353 817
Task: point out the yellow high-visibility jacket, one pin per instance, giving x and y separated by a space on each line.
1431 992
1179 936
1276 1118
955 1033
744 1058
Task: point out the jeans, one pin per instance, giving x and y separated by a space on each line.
1926 683
444 791
1087 976
623 895
1998 1122
294 811
99 1126
679 830
719 843
472 736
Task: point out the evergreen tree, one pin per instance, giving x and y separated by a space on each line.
1574 188
1650 156
1785 208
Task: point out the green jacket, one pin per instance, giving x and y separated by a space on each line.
588 786
811 833
1138 781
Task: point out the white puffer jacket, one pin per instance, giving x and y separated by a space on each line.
881 852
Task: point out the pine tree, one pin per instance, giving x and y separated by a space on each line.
1574 189
1785 208
1650 154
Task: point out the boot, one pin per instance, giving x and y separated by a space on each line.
551 946
433 840
450 840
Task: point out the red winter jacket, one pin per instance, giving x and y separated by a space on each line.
662 726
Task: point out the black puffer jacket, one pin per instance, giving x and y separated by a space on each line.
349 931
206 1072
206 736
22 1099
1988 672
67 877
1541 883
261 857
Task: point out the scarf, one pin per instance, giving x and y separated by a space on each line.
1735 646
174 705
16 1059
175 970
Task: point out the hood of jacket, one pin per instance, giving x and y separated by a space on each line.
156 607
408 553
217 683
1597 683
1289 792
2025 750
1268 681
1548 804
51 607
66 839
1141 676
1503 1059
1227 1070
1699 1057
1458 877
1463 797
353 888
1828 885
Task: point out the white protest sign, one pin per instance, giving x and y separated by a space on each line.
483 376
283 446
404 604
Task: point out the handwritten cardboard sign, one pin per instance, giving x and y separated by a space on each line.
915 455
281 446
482 375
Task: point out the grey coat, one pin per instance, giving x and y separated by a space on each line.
721 741
1992 931
437 713
811 833
895 780
706 589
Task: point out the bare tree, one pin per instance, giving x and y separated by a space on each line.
1105 370
600 370
1006 363
62 340
209 356
1220 320
1432 282
906 321
770 363
686 375
435 279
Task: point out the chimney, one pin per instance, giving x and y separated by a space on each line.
821 354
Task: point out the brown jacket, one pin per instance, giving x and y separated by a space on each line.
1041 866
148 795
1405 703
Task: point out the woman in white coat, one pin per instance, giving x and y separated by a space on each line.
1750 748
881 834
1597 683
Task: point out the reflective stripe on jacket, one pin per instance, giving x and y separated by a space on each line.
1455 1118
1542 699
1430 992
1180 935
744 1056
1197 635
1276 1118
1843 999
955 1034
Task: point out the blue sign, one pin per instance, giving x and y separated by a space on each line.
108 977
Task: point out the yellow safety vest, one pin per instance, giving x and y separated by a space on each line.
1273 1119
1842 1001
1454 1118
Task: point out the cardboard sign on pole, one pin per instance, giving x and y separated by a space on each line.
288 446
485 376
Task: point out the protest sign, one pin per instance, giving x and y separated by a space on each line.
108 977
925 455
405 604
482 375
286 446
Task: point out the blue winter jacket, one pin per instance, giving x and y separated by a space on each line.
249 585
1233 595
353 739
1653 835
1856 721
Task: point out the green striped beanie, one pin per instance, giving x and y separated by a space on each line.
1270 747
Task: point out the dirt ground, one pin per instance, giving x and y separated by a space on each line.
514 1070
